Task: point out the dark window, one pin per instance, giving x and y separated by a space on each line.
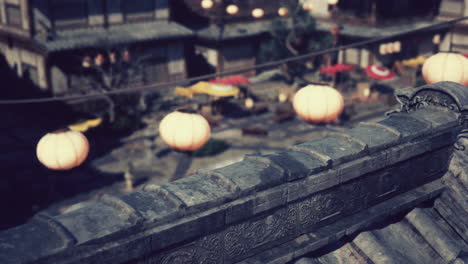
13 15
156 71
70 12
360 8
30 72
138 9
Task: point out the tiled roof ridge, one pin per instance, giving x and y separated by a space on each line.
238 211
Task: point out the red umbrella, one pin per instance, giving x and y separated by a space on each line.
332 70
231 80
340 67
328 70
379 72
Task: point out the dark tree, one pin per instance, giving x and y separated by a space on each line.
291 37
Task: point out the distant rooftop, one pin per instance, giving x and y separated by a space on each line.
127 33
232 31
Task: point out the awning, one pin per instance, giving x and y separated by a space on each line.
213 89
414 62
85 125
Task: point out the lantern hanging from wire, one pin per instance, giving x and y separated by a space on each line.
436 39
446 66
86 63
62 149
318 103
283 11
232 9
332 2
207 4
258 13
184 130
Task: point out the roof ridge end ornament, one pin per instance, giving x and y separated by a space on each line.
449 95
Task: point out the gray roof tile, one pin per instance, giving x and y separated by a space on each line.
121 34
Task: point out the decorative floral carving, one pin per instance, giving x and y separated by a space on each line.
355 195
318 208
183 256
233 240
210 250
246 236
388 184
433 98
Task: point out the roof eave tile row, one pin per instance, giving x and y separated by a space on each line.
163 215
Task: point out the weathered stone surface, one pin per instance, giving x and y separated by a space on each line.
339 149
152 206
434 235
296 164
331 233
200 192
410 127
270 199
28 242
440 120
240 209
377 136
94 222
313 183
275 208
251 176
254 236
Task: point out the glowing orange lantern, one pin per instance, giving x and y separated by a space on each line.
249 103
332 2
316 103
62 150
86 62
258 13
283 11
446 66
282 97
207 4
232 9
184 130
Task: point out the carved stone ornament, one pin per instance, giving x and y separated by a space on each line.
241 238
425 98
449 95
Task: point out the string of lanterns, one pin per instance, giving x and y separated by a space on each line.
186 130
233 9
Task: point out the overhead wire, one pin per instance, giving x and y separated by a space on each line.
163 85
